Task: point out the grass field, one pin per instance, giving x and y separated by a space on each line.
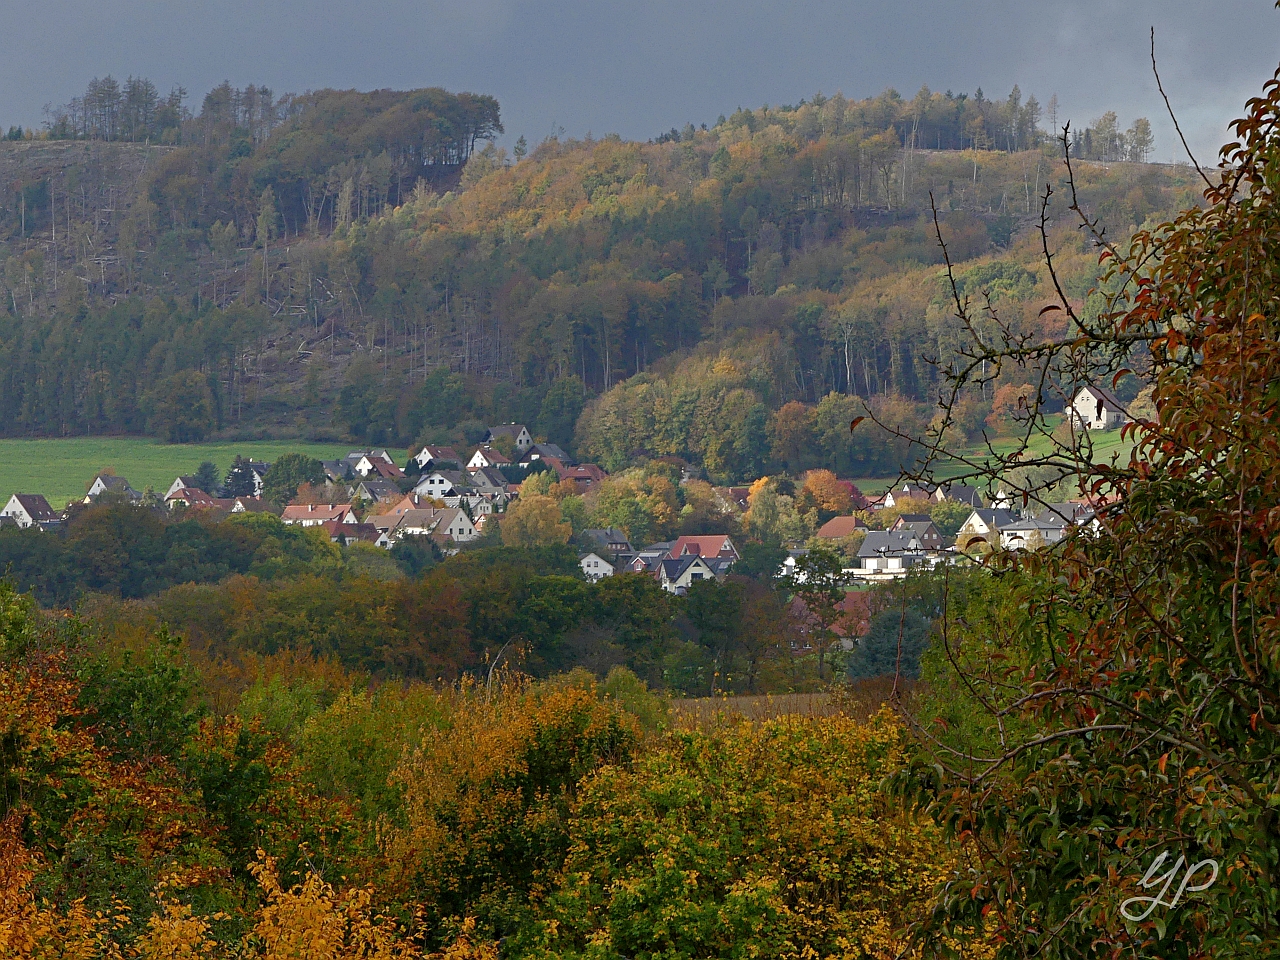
62 468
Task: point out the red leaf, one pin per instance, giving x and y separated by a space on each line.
854 422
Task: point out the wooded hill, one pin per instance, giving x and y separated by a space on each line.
352 268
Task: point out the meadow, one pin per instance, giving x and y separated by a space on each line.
62 468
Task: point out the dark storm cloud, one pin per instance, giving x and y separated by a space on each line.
640 68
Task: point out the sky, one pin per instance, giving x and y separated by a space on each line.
640 67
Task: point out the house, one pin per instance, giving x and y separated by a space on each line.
30 510
442 484
517 432
313 515
105 483
250 505
886 553
487 457
439 522
377 490
488 482
192 497
609 540
712 546
376 464
259 470
537 451
923 527
983 526
1068 512
336 471
677 576
179 484
412 501
595 567
1032 533
585 475
646 560
349 533
958 493
837 528
1096 409
433 457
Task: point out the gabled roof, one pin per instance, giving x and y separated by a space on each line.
604 537
315 512
511 430
704 546
584 473
838 527
487 477
111 482
959 493
379 487
887 543
1102 393
250 505
674 569
37 507
993 517
491 455
192 496
539 450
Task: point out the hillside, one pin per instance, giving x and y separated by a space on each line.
783 256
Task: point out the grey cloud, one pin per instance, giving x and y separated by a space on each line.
638 68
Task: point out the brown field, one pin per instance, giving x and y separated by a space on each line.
859 700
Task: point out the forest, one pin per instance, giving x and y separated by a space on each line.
389 281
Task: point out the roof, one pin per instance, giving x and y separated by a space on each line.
921 528
490 454
489 477
585 473
250 505
312 511
425 519
882 543
993 516
434 453
705 546
1102 393
961 494
675 569
545 450
193 496
111 482
511 430
379 487
37 506
605 536
1065 513
338 530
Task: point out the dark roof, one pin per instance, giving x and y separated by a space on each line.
37 506
885 543
546 450
994 516
961 494
1107 396
511 430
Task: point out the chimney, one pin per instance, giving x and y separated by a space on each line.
310 507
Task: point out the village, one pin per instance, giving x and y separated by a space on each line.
455 501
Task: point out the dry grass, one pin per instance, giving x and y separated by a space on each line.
859 700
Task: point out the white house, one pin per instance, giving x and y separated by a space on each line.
430 456
30 510
486 457
595 567
440 484
443 523
676 576
518 432
1096 409
983 526
890 552
105 483
312 514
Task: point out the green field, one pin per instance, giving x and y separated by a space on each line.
62 469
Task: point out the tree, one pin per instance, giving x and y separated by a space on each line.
534 521
282 479
823 492
1139 140
241 480
561 408
181 408
820 583
1134 668
268 218
208 478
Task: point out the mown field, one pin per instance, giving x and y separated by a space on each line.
62 468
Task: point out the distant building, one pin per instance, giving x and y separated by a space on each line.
106 483
609 540
890 553
716 546
314 515
923 528
1096 409
31 510
595 567
983 526
517 432
837 528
